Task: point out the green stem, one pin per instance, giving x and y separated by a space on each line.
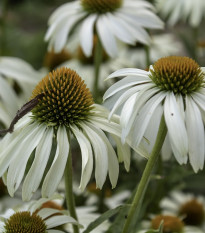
98 54
146 174
147 52
195 33
70 202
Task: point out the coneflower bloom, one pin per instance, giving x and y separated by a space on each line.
30 218
173 87
187 206
111 19
168 224
65 108
182 10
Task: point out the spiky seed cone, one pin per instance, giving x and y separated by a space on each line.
66 99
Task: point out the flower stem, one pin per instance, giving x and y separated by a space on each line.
98 53
70 202
146 174
195 33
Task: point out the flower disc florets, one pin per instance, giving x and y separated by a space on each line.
193 212
101 6
171 224
66 99
25 222
182 75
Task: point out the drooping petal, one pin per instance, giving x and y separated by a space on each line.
176 126
18 164
123 152
129 113
145 114
113 165
195 131
86 34
100 153
87 157
35 174
57 168
106 37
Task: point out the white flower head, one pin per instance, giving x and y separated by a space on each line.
111 19
173 87
189 207
65 107
32 218
185 10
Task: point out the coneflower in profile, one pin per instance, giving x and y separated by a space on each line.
63 108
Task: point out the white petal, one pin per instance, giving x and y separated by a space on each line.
57 168
18 164
63 32
35 174
100 153
87 157
8 96
113 165
122 84
130 72
176 126
106 37
86 34
145 114
119 29
195 131
123 98
46 212
128 114
59 220
123 151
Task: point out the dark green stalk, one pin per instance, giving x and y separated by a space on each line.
70 202
98 54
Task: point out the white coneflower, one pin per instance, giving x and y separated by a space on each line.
174 88
30 219
111 19
177 10
64 107
169 224
189 207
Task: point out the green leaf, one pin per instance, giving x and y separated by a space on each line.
108 214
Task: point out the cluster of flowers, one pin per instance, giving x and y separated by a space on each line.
149 109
